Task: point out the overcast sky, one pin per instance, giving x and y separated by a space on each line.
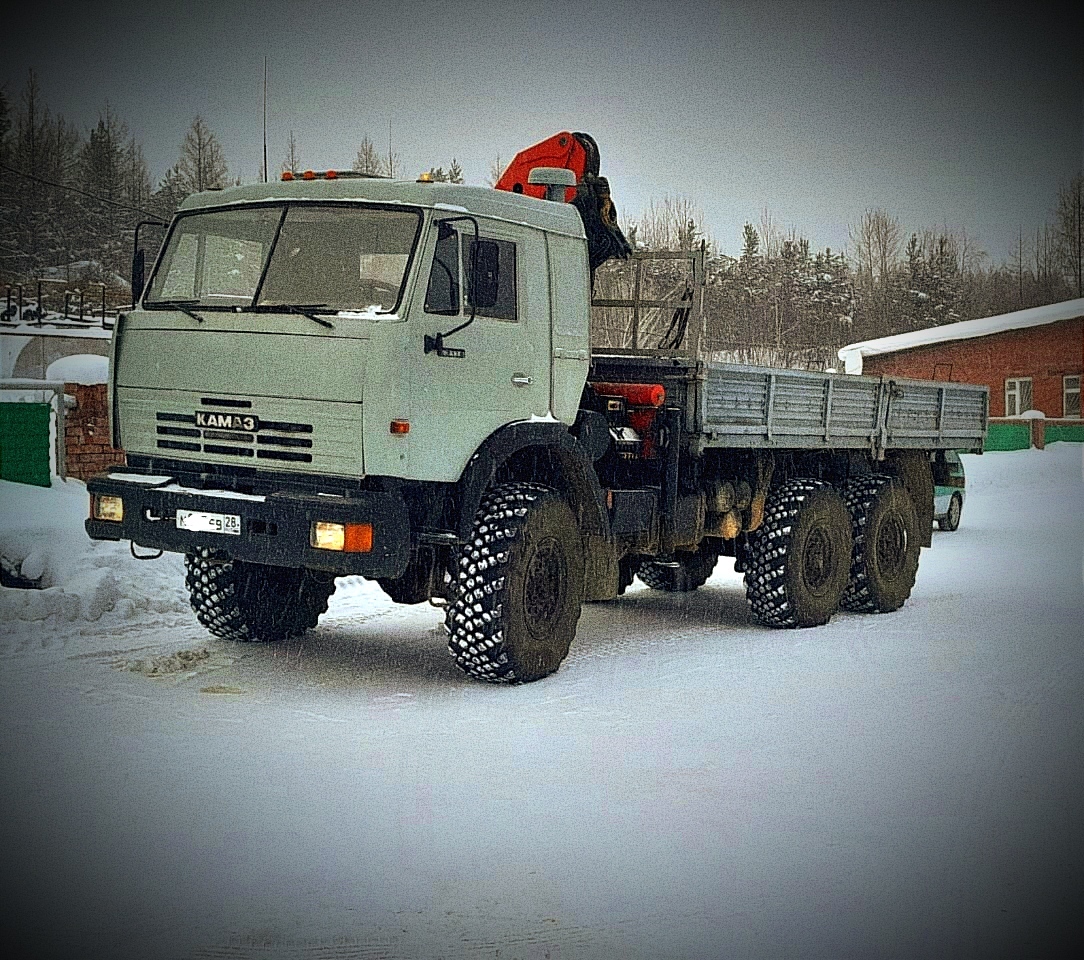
960 114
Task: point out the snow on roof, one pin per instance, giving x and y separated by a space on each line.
852 354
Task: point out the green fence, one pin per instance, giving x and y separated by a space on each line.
1070 432
24 443
1008 436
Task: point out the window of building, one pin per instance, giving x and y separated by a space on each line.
1070 397
1017 396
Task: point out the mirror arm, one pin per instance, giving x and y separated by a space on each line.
437 343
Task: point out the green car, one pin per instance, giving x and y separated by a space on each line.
948 490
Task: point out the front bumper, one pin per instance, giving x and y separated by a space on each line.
275 528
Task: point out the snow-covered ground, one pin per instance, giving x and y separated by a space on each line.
687 785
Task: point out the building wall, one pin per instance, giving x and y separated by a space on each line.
86 432
1046 354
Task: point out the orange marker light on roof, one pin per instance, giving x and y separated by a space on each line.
287 175
308 175
330 174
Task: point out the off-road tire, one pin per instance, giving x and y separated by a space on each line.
799 557
886 545
237 600
951 520
519 586
696 567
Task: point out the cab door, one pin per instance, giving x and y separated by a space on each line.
494 370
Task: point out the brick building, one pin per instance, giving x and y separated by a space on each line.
1031 359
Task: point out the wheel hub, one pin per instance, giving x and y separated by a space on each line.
818 559
543 587
892 545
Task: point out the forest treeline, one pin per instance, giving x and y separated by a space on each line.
73 196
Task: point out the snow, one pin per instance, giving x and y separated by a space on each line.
79 368
852 354
689 784
42 537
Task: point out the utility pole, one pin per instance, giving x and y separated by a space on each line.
265 119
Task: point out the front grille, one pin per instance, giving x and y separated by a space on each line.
267 443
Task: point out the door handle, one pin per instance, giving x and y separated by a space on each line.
521 380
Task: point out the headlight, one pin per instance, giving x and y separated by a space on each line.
104 506
347 537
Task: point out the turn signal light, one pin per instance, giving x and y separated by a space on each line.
400 426
107 507
346 537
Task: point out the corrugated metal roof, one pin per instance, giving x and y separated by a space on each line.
852 354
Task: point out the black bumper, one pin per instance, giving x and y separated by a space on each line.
275 528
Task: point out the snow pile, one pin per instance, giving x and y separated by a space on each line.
42 541
84 368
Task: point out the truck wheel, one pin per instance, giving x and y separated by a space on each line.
695 568
519 586
951 520
237 600
886 545
799 556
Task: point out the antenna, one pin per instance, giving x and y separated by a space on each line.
265 119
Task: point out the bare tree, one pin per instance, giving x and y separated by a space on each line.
878 242
202 165
674 223
496 170
1070 231
368 161
292 163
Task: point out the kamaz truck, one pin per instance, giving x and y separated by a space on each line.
340 375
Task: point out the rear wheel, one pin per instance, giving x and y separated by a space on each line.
886 545
237 600
798 559
951 520
690 570
519 586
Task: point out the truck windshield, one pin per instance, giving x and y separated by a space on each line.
343 258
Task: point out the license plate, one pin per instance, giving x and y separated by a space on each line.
203 522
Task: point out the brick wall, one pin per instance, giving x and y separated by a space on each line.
1045 353
86 432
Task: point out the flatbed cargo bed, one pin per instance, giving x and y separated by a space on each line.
731 405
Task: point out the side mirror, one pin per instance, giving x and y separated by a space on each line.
485 273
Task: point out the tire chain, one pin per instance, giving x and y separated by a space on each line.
474 621
212 592
768 548
858 496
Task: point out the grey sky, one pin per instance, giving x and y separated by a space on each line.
960 114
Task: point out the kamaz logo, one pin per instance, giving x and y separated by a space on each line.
227 421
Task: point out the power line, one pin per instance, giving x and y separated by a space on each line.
70 189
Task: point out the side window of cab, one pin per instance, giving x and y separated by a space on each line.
497 258
442 293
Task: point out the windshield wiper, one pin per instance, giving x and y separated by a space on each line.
182 305
305 309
